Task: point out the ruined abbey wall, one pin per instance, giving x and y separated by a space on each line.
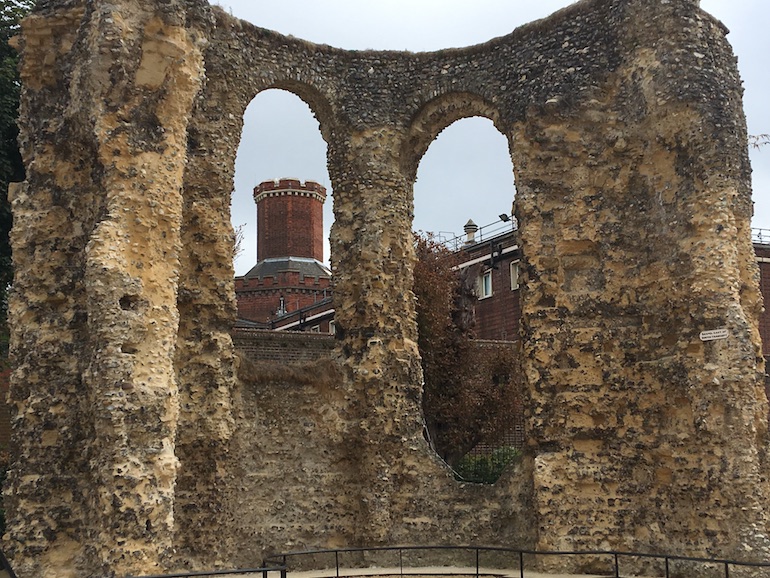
141 441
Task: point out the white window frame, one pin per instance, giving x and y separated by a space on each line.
514 268
485 288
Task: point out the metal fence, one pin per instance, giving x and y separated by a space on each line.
266 571
485 559
471 561
455 242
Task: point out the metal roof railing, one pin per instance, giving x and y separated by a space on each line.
760 236
455 242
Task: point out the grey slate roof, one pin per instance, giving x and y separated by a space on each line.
304 266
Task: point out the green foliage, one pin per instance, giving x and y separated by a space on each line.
11 165
485 468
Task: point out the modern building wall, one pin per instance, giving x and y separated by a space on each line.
497 309
763 259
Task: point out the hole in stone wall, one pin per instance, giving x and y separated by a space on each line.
287 280
467 286
129 302
129 348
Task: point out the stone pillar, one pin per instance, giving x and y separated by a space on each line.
205 358
634 213
108 91
372 262
44 494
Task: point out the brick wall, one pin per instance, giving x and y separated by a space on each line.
497 317
763 252
289 219
258 299
284 346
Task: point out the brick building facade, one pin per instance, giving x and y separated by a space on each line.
493 266
289 278
294 292
493 262
762 250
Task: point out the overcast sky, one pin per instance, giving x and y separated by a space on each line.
467 172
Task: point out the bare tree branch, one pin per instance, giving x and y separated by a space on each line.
238 234
759 140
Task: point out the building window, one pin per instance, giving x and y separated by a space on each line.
514 275
332 328
315 329
485 284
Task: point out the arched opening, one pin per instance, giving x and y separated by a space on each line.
467 287
466 173
281 211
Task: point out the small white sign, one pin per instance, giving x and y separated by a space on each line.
713 334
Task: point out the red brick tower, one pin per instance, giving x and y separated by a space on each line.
289 286
289 219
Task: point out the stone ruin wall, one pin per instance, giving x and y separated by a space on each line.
141 440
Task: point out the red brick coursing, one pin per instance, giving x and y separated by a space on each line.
763 252
289 219
282 346
259 299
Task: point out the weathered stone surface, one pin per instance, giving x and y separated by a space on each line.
136 445
108 94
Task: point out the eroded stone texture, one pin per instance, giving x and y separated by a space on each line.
137 446
634 209
108 92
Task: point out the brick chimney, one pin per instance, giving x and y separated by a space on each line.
289 219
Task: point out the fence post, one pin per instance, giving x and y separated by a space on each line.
667 567
401 561
521 563
337 562
616 565
727 569
477 563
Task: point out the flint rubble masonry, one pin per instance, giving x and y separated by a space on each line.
137 448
